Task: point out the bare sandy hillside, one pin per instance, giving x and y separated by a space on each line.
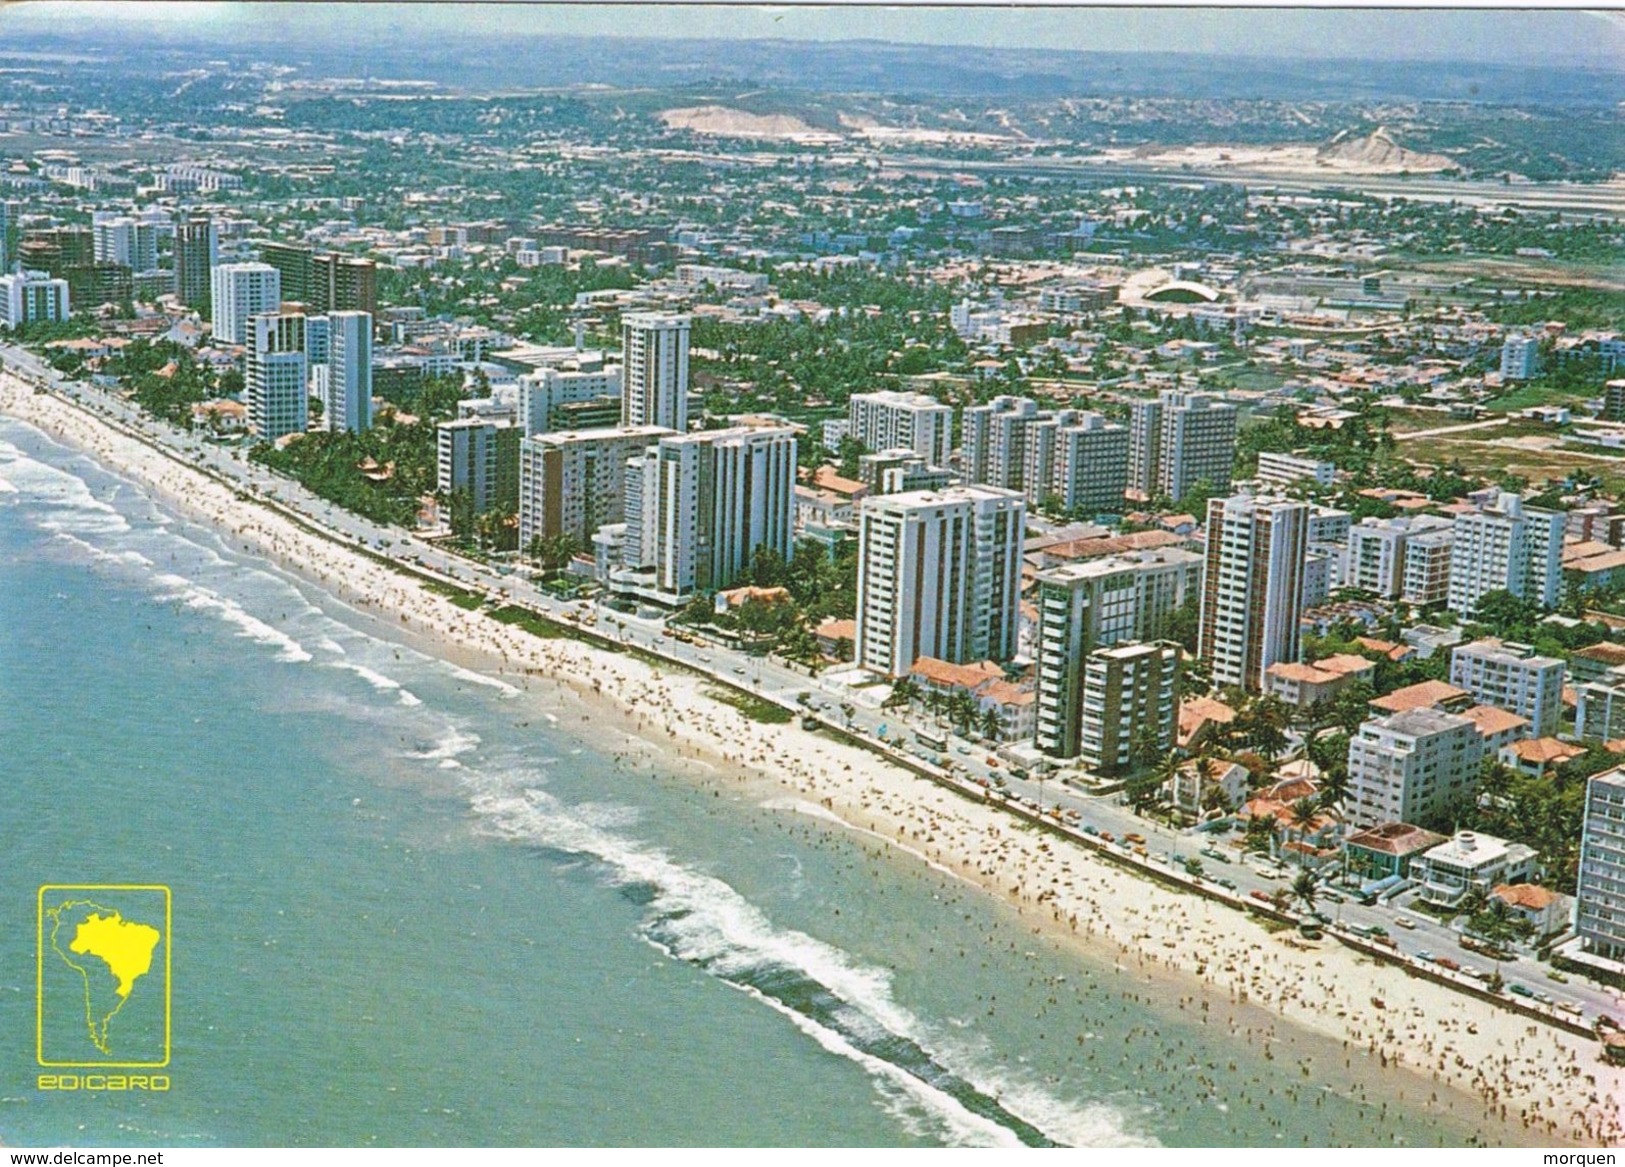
737 123
1377 151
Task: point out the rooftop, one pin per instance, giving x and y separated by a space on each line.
1425 695
1492 721
1395 839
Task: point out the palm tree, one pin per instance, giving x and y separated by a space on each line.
1304 889
992 724
1304 813
902 695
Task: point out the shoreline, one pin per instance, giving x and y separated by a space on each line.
1523 1077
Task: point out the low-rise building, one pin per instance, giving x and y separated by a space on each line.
1546 910
1192 786
1538 755
1386 850
1302 685
1470 860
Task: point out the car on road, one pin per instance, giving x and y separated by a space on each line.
1333 897
1520 990
1227 884
1405 922
1215 854
964 750
1134 837
740 670
1424 955
1446 962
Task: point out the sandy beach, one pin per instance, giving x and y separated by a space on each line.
1536 1079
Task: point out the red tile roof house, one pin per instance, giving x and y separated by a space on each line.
1546 909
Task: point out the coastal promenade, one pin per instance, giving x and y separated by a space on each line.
1201 952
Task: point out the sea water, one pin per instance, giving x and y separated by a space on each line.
414 905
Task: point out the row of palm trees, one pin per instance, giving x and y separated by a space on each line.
960 709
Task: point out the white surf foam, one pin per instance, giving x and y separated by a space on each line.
704 921
474 678
200 598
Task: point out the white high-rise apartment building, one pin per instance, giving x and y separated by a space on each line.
1080 459
1376 552
1511 677
1600 889
887 420
276 375
654 370
1520 357
237 293
939 575
1506 547
1412 765
994 442
1099 603
127 241
318 340
1130 694
30 296
697 506
1253 587
1274 467
547 389
1179 440
574 483
481 457
1427 567
349 383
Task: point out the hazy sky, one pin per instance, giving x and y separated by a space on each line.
1533 36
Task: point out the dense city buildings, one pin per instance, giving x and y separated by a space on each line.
1512 677
571 483
1506 546
1094 604
480 460
197 252
1129 707
28 297
1600 893
585 393
697 507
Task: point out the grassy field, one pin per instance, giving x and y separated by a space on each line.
1489 453
462 597
754 708
1529 396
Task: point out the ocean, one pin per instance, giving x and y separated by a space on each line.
414 904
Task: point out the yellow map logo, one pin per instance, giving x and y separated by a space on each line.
104 970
